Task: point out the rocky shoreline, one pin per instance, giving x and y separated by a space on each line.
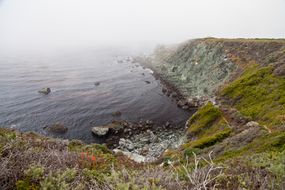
145 141
169 89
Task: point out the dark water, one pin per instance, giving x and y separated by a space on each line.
75 101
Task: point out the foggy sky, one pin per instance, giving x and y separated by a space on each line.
59 23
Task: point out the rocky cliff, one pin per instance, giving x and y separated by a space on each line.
246 123
198 67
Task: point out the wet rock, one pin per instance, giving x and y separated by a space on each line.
167 124
100 131
185 107
116 113
181 103
197 101
45 91
167 93
97 83
115 127
149 122
57 128
173 95
147 82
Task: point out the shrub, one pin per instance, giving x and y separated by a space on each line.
59 180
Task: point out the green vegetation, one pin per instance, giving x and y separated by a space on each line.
259 95
209 140
203 118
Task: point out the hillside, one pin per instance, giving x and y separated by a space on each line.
235 140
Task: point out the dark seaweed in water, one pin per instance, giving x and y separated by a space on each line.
75 101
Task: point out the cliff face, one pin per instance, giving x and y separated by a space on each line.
199 67
247 125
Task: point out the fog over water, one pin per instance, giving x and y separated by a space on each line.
68 45
41 24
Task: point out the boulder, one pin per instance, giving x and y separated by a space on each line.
149 122
193 102
173 95
116 113
167 124
164 90
126 144
57 128
45 91
100 131
152 137
181 103
185 107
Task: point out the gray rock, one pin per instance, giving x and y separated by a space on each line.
181 103
252 124
133 156
57 128
100 131
45 91
185 107
149 122
97 83
167 124
126 144
174 95
130 146
153 138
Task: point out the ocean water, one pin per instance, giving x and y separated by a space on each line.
75 101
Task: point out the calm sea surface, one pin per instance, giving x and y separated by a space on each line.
75 101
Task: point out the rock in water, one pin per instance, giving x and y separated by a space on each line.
100 131
97 83
116 114
57 128
167 124
45 91
173 94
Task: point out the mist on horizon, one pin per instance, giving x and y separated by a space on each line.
50 24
